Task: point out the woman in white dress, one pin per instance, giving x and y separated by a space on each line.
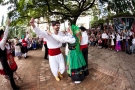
112 41
17 46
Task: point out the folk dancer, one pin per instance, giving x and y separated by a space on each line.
4 67
84 44
76 65
24 47
56 59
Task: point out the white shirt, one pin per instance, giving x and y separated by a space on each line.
112 36
84 40
20 40
130 33
27 35
3 41
44 39
133 41
7 46
118 38
53 41
104 36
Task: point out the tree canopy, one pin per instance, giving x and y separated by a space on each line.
61 9
120 6
20 11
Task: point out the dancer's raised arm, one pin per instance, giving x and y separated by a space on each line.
40 33
4 37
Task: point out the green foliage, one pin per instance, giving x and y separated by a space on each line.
95 18
16 31
95 22
33 34
120 6
2 21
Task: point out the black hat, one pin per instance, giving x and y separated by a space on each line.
55 22
82 28
1 32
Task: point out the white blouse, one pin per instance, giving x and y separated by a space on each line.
54 41
3 41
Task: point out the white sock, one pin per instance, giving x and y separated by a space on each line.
25 54
77 82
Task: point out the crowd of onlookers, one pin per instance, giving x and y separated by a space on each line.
16 45
123 40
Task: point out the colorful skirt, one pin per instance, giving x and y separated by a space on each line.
118 45
76 65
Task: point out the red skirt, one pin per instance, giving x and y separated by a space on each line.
2 72
11 62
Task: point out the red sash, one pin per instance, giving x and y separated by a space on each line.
2 72
24 43
53 52
45 42
83 46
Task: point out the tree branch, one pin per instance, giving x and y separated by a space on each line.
89 5
58 13
64 6
83 2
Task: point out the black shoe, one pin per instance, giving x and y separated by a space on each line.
45 58
17 88
26 57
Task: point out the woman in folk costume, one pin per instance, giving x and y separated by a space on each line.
112 41
76 65
118 44
11 61
4 66
104 39
56 59
17 46
77 68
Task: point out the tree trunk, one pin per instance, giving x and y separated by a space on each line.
73 21
107 25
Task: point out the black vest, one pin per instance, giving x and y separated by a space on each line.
3 57
3 53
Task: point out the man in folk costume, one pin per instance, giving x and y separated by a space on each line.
4 67
24 47
84 44
56 59
104 39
